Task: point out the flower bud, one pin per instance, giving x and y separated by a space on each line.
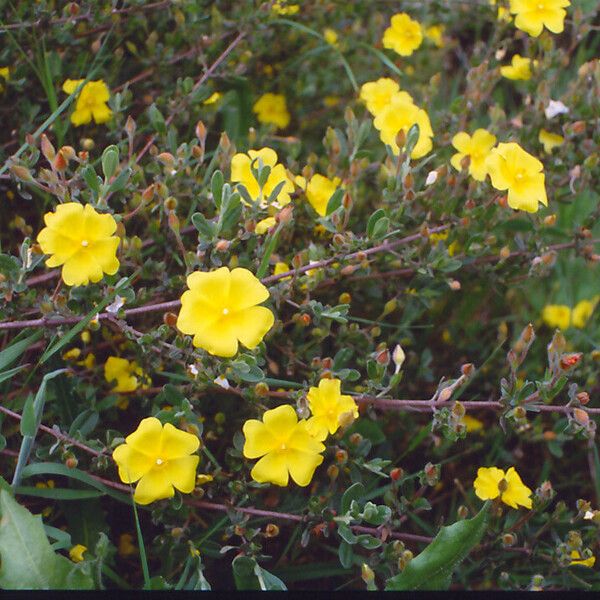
341 456
398 356
261 389
367 574
47 148
167 159
332 472
396 473
170 319
271 530
509 539
462 512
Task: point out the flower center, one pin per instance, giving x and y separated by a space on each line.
541 6
520 176
283 447
85 243
159 462
225 312
502 486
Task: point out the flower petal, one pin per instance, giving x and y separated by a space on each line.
271 468
251 325
176 443
146 438
302 466
154 485
132 464
246 290
259 440
181 472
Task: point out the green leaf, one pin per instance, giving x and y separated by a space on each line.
268 581
28 425
27 559
376 216
205 227
335 201
412 138
57 493
432 569
216 185
346 555
12 352
243 573
354 492
91 178
157 119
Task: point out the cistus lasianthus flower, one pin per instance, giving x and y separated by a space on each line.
5 75
76 553
378 94
82 241
159 458
272 109
577 559
550 140
319 190
329 408
128 375
519 68
511 168
91 101
241 172
400 114
403 36
492 483
221 309
285 448
563 317
531 16
477 147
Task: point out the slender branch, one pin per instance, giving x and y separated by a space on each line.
59 435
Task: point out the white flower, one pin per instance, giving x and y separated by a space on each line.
556 107
222 382
193 369
431 177
116 305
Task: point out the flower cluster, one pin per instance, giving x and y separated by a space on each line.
287 446
563 317
245 168
394 111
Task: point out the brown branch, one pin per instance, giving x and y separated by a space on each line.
59 435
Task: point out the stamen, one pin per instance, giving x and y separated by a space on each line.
85 243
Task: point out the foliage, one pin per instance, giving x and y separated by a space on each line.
380 228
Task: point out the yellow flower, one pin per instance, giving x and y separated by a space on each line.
519 68
583 311
577 560
91 102
493 483
319 190
280 8
503 13
550 140
241 172
511 168
533 15
477 147
221 308
271 108
378 94
281 267
330 35
403 36
285 445
88 362
76 553
81 240
5 74
263 226
435 33
329 408
124 373
400 115
213 98
557 315
126 546
160 458
472 424
434 238
72 354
